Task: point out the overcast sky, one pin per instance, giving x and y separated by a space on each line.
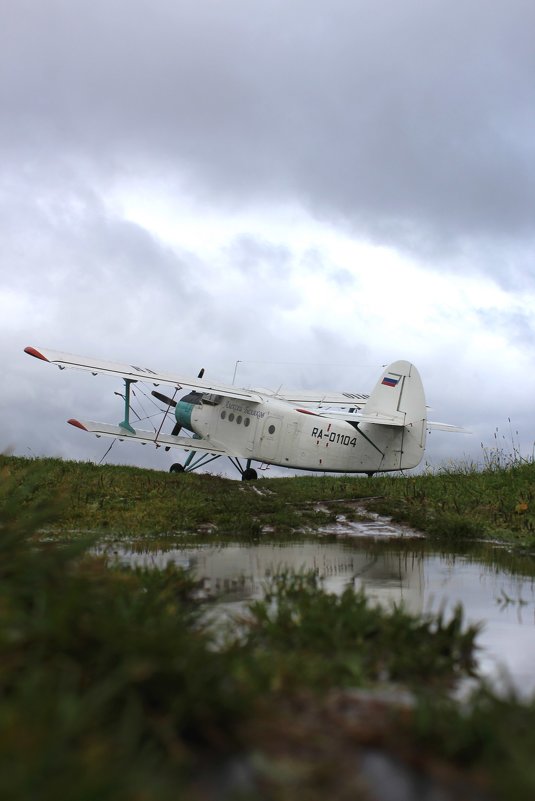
312 188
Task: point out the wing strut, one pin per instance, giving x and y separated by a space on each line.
126 422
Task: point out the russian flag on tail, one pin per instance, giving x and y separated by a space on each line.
388 381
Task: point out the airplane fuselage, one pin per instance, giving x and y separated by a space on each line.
275 433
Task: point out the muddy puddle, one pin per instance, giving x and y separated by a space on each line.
391 565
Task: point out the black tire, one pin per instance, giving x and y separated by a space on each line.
249 475
176 468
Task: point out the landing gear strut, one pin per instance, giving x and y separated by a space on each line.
247 473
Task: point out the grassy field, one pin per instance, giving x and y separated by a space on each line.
457 504
113 685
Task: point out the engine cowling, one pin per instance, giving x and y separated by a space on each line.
185 407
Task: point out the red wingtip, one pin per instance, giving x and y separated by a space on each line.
33 352
77 424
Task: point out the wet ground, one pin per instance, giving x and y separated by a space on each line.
392 564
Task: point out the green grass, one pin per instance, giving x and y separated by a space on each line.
113 685
459 503
462 503
136 501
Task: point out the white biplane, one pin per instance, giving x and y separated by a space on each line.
328 432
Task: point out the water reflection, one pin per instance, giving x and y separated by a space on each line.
392 572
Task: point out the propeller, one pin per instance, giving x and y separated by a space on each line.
164 398
169 402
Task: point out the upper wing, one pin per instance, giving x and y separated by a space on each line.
316 398
138 373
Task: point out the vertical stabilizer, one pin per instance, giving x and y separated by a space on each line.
398 395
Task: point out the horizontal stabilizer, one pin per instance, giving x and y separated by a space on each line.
355 417
447 427
146 437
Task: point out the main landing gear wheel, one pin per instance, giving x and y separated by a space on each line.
176 468
249 475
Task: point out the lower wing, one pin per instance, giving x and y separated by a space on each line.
145 437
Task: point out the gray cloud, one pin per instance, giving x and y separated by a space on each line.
412 123
516 325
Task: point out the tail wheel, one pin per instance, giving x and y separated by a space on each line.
249 475
176 468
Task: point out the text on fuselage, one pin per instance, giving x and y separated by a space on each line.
236 407
334 437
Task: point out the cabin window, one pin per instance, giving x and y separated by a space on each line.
271 429
239 419
231 417
247 422
223 414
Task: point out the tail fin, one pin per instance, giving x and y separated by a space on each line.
398 404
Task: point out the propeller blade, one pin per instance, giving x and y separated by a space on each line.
164 398
170 402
